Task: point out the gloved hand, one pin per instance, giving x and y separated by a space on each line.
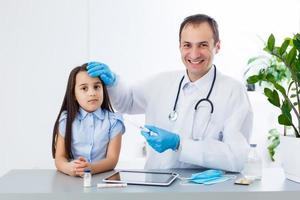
95 69
162 139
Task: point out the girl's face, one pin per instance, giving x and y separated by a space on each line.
88 92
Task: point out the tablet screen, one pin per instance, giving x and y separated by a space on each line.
142 177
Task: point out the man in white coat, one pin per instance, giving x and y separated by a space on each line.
200 117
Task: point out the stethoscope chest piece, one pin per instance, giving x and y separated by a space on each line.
173 115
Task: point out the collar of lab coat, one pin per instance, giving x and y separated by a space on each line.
200 83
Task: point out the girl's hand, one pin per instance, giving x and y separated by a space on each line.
81 163
73 165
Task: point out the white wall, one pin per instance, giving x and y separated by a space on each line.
41 40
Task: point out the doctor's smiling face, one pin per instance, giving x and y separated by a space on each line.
88 91
198 46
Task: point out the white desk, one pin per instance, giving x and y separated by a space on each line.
50 184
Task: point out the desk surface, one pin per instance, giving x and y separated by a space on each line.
51 184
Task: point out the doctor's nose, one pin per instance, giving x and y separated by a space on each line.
195 53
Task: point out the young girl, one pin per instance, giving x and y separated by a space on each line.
87 134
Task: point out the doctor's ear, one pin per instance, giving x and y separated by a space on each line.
218 46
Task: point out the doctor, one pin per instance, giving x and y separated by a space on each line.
201 117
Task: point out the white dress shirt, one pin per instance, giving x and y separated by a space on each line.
218 140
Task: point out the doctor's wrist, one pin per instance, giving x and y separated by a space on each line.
178 143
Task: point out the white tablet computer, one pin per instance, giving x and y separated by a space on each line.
141 177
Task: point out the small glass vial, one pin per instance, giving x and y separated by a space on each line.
253 165
87 178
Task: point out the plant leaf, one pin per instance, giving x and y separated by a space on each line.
280 88
271 43
298 75
283 120
273 97
276 99
274 139
286 107
291 56
253 59
274 144
296 43
297 36
253 79
268 92
290 86
284 46
270 78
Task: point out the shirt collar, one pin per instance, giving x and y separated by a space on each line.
99 113
200 83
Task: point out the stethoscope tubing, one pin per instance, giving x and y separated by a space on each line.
173 113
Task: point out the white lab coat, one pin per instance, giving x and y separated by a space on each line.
224 142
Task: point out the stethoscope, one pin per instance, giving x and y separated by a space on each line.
174 115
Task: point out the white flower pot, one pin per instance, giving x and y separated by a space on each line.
289 150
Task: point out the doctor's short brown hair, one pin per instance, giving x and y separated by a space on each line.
198 19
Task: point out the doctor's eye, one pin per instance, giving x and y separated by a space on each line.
186 45
203 45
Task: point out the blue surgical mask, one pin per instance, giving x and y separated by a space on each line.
219 180
208 174
208 177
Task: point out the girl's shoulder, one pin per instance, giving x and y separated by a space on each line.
63 116
117 123
62 123
112 116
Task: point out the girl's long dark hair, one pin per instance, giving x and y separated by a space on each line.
71 105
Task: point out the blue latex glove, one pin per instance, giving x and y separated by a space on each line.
162 139
95 69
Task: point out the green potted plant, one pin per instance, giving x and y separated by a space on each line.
263 66
287 98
